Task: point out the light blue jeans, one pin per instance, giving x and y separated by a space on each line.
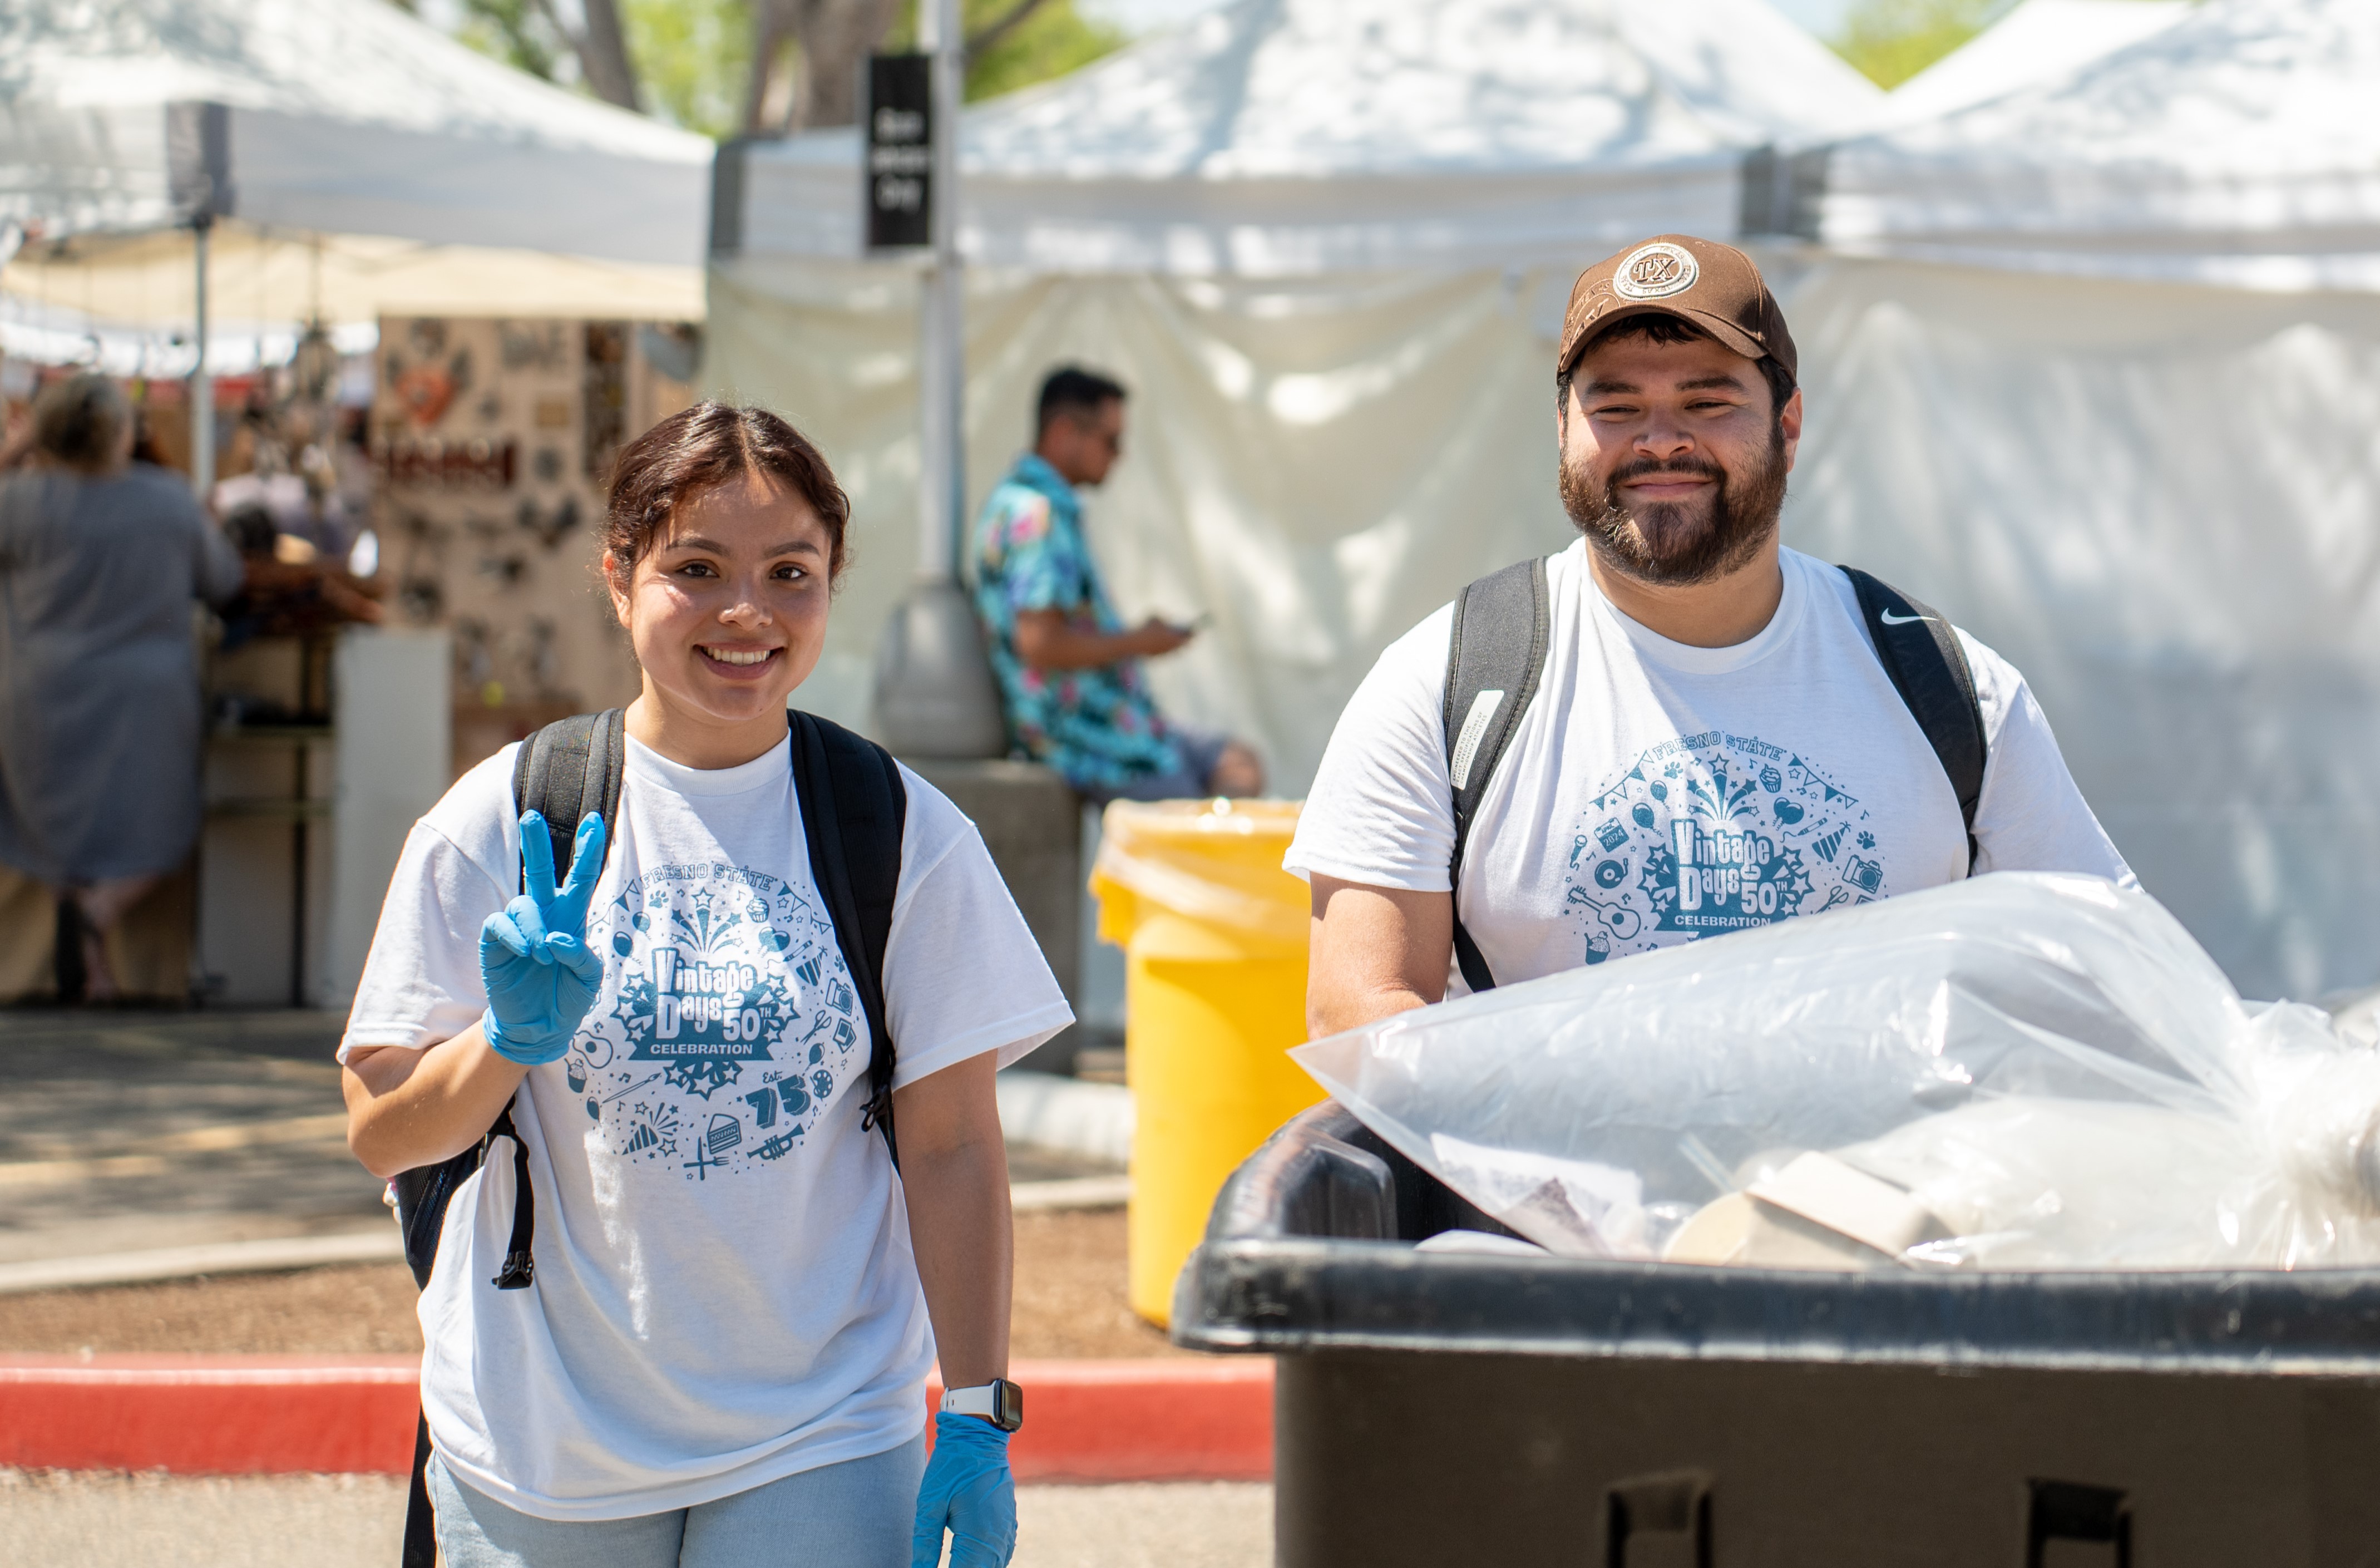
854 1514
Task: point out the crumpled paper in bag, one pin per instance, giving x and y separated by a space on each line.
2018 1071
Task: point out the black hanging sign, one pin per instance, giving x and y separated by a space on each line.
900 151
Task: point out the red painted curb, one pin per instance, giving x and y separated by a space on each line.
254 1414
1142 1420
225 1414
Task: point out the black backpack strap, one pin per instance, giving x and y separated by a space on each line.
420 1519
520 1270
1494 661
564 771
570 768
1920 653
854 809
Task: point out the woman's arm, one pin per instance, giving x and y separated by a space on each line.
409 1108
955 1171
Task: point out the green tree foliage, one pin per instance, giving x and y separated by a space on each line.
693 58
1051 39
1891 41
515 31
1054 39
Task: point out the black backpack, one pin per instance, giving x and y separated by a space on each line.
1504 622
853 808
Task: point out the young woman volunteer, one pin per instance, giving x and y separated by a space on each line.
721 1359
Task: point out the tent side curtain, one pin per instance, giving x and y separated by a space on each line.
805 201
1317 461
2156 502
2061 465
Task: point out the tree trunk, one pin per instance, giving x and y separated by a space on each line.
837 37
773 105
603 54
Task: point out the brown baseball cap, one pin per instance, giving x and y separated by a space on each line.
1712 286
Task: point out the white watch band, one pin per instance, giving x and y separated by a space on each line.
982 1400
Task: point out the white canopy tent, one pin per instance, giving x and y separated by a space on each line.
1327 244
2038 41
1289 138
351 161
2096 368
2237 147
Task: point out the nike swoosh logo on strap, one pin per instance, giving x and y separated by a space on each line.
1889 619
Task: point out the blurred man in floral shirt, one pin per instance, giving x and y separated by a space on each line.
1069 670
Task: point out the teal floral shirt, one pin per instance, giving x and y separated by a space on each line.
1097 726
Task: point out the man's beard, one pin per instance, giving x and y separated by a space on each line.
1679 543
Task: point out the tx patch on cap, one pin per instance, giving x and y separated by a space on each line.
1711 286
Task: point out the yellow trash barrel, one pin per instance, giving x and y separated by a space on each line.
1214 936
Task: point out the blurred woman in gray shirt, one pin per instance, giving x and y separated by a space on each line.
101 720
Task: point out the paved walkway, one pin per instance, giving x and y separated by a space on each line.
122 1132
133 1132
305 1520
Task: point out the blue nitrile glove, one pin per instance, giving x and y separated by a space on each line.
967 1488
533 959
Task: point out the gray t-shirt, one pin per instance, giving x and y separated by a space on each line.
99 720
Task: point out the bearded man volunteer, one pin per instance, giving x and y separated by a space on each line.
1708 738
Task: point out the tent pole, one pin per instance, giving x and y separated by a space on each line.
942 323
203 385
935 696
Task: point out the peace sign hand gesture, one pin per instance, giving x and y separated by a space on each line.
539 976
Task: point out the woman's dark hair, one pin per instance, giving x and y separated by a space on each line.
701 449
80 422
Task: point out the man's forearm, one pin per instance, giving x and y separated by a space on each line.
1071 650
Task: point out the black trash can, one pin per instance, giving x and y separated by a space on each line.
1457 1409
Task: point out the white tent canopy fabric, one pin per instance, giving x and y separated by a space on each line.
2237 147
351 162
1327 244
2096 368
2162 502
337 116
1283 138
2040 41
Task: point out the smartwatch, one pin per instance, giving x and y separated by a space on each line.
999 1402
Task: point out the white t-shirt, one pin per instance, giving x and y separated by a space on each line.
724 1292
1655 792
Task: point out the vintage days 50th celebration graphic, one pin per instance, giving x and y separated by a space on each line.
1715 833
731 1026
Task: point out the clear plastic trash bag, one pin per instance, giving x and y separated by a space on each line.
2013 1071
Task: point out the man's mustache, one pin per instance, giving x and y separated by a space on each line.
1700 467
